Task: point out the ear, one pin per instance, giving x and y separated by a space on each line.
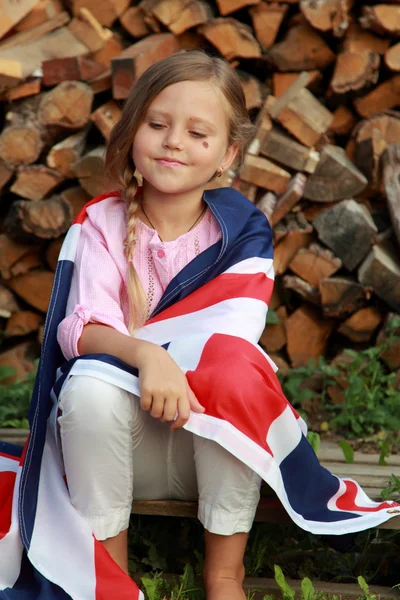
229 157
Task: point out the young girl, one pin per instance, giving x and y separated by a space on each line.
160 297
184 123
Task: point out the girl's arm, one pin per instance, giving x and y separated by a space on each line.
164 390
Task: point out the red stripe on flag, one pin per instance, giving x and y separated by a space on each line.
7 484
347 501
16 459
111 580
235 383
224 287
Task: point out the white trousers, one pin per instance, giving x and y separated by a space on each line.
115 452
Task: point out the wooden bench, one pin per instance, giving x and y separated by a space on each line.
365 470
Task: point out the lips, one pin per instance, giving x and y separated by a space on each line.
170 162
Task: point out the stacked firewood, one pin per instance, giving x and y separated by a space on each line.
322 82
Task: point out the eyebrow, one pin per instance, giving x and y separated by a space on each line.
159 113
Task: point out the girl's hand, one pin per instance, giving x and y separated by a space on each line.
164 389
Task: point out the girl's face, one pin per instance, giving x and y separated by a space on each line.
183 139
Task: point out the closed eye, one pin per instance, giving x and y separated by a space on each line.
156 125
197 134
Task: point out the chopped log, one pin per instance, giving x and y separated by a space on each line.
101 83
106 116
21 359
11 251
90 171
359 40
35 182
267 204
10 74
112 48
75 68
177 15
383 18
63 156
134 60
226 7
67 105
302 49
361 326
355 71
343 121
42 12
384 96
30 87
381 271
263 126
43 219
59 43
86 28
302 288
35 33
314 263
334 178
231 38
288 247
132 20
8 303
328 15
254 91
53 251
301 113
267 19
281 82
265 174
348 229
391 182
389 335
22 322
77 198
20 145
273 337
106 11
289 198
281 148
34 288
342 295
247 189
12 12
392 57
28 262
5 174
305 324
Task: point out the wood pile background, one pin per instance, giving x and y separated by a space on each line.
322 82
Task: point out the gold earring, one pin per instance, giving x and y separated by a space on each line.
219 171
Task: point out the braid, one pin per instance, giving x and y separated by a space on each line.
136 294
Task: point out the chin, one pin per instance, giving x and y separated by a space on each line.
166 186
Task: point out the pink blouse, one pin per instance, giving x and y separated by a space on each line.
98 291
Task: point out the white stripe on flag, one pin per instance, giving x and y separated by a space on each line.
62 545
253 265
224 317
70 244
284 435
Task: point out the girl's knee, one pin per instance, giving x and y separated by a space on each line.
94 405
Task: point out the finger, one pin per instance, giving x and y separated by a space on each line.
157 407
194 403
183 414
146 399
170 409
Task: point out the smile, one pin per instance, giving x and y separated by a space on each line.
168 162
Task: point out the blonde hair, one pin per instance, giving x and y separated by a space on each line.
192 65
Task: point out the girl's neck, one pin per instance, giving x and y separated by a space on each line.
171 214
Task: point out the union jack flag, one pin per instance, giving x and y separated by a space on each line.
209 319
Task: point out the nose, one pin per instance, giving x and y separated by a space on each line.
173 139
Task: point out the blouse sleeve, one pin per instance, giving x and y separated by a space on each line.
95 291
